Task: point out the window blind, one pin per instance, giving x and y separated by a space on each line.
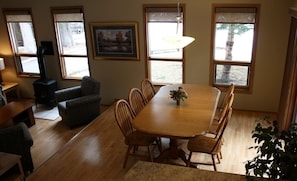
68 15
235 15
162 14
18 15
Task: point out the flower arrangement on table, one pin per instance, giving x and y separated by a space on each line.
179 94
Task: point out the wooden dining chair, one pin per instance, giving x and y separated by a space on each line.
148 89
216 123
133 138
137 102
208 145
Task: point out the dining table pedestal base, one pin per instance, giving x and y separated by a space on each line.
172 153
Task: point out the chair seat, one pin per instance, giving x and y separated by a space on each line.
139 138
203 144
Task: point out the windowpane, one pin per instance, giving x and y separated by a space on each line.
23 36
227 74
158 48
76 66
241 40
29 64
72 38
166 71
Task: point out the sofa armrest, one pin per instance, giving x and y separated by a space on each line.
17 140
14 137
85 100
68 93
27 135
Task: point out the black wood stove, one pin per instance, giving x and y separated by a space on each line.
44 88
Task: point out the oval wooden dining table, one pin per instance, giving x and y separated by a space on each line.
164 118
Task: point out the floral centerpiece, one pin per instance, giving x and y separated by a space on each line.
179 94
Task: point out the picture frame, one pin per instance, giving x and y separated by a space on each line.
115 40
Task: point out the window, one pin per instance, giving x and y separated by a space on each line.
71 41
22 39
164 63
234 41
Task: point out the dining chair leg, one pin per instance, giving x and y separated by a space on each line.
214 163
159 142
189 159
150 153
135 148
127 154
218 158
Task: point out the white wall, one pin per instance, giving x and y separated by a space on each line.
117 77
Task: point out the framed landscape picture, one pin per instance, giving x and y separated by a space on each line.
115 40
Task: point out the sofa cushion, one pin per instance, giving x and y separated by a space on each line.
89 86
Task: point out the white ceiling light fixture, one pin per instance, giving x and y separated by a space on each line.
178 40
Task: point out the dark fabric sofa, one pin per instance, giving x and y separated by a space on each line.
2 98
80 104
17 140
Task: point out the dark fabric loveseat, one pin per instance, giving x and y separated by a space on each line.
80 104
17 140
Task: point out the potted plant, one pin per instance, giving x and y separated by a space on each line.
276 152
179 94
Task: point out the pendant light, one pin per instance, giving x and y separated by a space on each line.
178 41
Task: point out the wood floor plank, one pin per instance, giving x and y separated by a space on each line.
98 152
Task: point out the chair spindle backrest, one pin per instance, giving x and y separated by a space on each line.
225 111
137 100
224 123
228 93
148 89
227 106
222 128
124 116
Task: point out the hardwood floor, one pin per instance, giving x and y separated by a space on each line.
237 140
104 150
50 136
